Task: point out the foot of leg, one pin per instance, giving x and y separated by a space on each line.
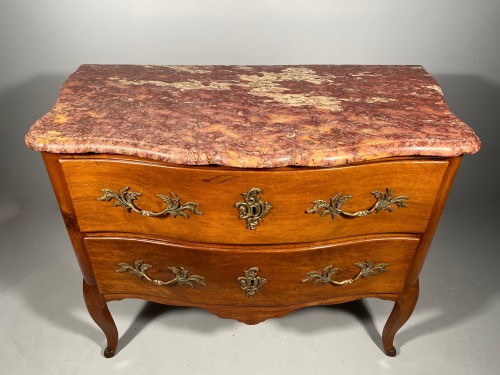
391 352
402 310
98 310
109 353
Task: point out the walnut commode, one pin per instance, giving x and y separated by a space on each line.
251 191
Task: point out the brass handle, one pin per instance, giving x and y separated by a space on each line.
384 202
181 275
253 209
251 283
325 277
126 200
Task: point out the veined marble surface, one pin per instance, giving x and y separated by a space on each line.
253 116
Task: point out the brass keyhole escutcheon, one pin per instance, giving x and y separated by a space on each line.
253 209
251 283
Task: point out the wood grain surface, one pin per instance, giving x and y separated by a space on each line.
291 191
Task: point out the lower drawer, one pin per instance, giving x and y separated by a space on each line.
190 275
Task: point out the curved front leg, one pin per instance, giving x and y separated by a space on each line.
402 310
98 310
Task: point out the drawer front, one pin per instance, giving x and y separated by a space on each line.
196 275
217 191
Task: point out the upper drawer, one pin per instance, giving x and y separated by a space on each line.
290 191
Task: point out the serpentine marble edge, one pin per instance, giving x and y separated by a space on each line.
253 116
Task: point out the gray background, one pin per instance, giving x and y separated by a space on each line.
44 327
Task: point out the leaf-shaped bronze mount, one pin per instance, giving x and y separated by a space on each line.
334 208
126 200
140 270
326 277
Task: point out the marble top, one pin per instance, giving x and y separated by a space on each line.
253 116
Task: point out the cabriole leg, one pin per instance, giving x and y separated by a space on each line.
402 310
98 310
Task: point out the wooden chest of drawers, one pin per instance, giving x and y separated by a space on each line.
247 243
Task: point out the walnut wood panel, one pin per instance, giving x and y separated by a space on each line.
284 267
291 192
68 213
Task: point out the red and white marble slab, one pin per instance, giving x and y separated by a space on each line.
253 116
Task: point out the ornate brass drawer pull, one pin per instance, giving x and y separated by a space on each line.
126 200
253 209
181 275
334 208
251 283
367 269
